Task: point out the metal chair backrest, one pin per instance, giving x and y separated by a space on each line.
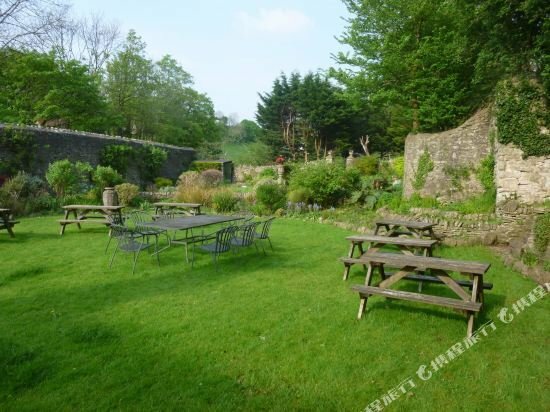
247 232
138 218
223 239
124 237
115 219
264 233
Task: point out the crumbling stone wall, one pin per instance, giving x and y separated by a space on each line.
527 180
59 144
464 147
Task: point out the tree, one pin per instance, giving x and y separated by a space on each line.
309 115
38 88
413 58
23 23
129 86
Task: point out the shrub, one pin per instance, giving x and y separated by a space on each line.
118 156
65 177
161 182
398 166
224 201
271 196
268 173
367 165
194 194
190 178
211 178
425 166
106 176
201 166
300 195
542 233
329 184
126 193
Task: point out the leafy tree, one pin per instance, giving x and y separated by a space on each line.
129 87
38 88
309 115
413 58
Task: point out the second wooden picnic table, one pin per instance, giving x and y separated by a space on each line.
5 222
160 207
397 227
81 215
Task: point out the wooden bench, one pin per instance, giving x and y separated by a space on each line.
440 268
80 215
6 222
408 246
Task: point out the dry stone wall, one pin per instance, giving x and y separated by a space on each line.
59 144
527 180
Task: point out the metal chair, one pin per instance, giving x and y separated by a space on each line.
138 218
263 234
221 244
127 242
115 219
245 236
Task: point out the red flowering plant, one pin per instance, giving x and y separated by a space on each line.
280 160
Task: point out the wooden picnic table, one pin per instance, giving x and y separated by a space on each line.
194 208
6 222
396 227
440 269
81 214
407 246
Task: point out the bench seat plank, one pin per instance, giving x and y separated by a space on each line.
101 221
418 297
393 240
398 260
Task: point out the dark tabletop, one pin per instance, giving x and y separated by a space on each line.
190 222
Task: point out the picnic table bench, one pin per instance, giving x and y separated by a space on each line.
189 208
396 227
407 246
81 215
440 269
6 222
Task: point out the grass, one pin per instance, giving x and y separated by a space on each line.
275 332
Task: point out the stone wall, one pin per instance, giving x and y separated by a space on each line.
58 144
463 147
527 180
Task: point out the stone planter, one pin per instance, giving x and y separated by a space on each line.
110 197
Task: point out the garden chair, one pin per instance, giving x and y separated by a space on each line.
263 233
138 218
127 241
245 236
115 219
221 243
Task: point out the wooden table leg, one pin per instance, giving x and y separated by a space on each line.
6 219
348 265
76 217
363 301
471 315
64 223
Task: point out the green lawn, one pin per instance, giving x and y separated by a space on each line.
276 332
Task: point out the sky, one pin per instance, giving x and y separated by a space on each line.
234 49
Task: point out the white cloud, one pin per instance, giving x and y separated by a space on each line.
279 21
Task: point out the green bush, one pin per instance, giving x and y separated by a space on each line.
224 201
161 182
106 176
271 196
268 173
200 166
486 173
542 233
152 159
398 166
68 178
118 156
300 195
425 166
329 184
126 193
367 165
25 194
